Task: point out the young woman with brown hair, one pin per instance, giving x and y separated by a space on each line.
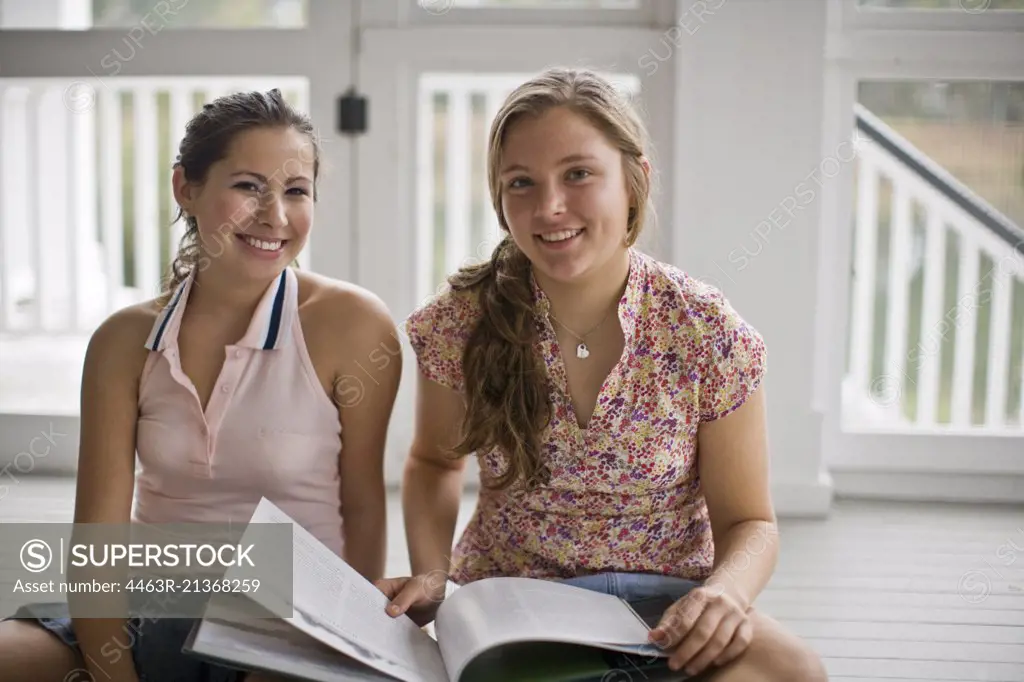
225 389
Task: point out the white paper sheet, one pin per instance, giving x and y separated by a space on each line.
337 606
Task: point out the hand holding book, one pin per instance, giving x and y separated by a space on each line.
417 597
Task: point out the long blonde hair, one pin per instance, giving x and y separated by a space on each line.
507 399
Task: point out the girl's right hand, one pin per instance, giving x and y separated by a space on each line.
418 597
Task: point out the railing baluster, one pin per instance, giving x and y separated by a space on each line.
74 244
457 178
147 215
37 187
896 308
180 97
965 315
5 270
112 220
864 284
493 99
82 219
425 189
928 354
999 349
1020 416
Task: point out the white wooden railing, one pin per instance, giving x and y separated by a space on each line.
888 370
69 154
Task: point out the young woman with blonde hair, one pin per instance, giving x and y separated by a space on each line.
614 402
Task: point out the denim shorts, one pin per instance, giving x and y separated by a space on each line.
635 586
155 645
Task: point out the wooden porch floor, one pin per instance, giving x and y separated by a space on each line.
883 591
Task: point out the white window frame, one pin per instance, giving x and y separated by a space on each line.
972 15
447 13
900 46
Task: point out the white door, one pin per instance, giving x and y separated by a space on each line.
921 362
94 97
435 74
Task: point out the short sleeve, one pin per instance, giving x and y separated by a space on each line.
438 331
736 360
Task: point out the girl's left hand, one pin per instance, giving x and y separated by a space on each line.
705 627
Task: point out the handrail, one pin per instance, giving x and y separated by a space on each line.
943 181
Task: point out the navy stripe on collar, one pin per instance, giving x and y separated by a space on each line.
166 314
275 314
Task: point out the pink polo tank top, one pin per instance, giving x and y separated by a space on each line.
269 428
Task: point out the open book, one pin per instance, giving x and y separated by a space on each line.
493 629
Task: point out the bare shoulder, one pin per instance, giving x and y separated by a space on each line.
119 342
340 309
341 320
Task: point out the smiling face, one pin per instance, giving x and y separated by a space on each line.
563 194
255 207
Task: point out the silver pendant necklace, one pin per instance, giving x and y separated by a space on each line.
582 351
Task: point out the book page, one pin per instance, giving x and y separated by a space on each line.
495 611
275 646
335 604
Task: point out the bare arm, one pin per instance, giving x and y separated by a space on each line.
711 624
733 463
106 464
365 392
432 487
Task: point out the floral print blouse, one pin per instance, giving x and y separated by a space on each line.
624 493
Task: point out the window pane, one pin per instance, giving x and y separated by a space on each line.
152 15
937 301
970 6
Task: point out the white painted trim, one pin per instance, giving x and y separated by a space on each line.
835 245
499 48
923 487
803 499
934 451
913 54
408 14
37 444
90 55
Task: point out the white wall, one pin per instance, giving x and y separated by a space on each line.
749 112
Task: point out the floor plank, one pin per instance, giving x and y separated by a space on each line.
904 632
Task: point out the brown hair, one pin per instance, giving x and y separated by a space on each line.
208 136
507 404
